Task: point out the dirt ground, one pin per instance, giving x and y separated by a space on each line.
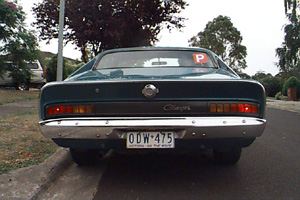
14 108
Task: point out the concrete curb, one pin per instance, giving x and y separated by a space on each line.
30 182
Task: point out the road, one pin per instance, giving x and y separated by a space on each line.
268 169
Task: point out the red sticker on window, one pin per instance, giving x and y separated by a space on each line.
200 58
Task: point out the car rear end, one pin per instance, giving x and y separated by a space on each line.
99 113
208 109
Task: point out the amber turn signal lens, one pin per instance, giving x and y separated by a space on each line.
220 107
213 107
226 108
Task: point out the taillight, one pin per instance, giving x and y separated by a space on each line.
68 109
248 108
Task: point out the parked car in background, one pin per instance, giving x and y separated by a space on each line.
37 78
153 98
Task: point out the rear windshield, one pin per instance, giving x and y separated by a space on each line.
155 59
32 66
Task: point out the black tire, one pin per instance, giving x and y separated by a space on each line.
227 157
84 157
22 87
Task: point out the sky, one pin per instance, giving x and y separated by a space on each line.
259 21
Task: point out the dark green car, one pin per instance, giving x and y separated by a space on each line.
153 98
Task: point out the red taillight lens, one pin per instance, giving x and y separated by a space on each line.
68 109
247 108
241 108
254 109
234 108
49 111
56 110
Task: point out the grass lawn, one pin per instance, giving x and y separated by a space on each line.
21 143
12 95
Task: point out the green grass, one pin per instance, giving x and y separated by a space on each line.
21 143
12 96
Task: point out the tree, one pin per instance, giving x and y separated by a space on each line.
260 75
100 25
291 82
244 75
225 40
17 44
272 85
51 69
288 54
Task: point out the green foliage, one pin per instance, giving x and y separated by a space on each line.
244 75
280 96
100 25
289 61
17 44
68 68
272 85
291 82
11 17
225 40
51 69
260 75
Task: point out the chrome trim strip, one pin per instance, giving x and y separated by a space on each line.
184 127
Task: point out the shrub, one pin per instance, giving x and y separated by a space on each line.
279 96
272 85
70 68
291 82
51 69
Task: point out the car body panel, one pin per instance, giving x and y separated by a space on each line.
131 91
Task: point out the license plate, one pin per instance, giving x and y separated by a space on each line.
150 140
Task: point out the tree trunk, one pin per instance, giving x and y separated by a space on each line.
292 93
83 54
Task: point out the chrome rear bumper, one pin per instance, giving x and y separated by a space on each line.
184 127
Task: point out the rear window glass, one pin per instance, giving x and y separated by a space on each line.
32 66
155 59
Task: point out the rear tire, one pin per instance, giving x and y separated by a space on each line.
23 87
84 157
227 157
